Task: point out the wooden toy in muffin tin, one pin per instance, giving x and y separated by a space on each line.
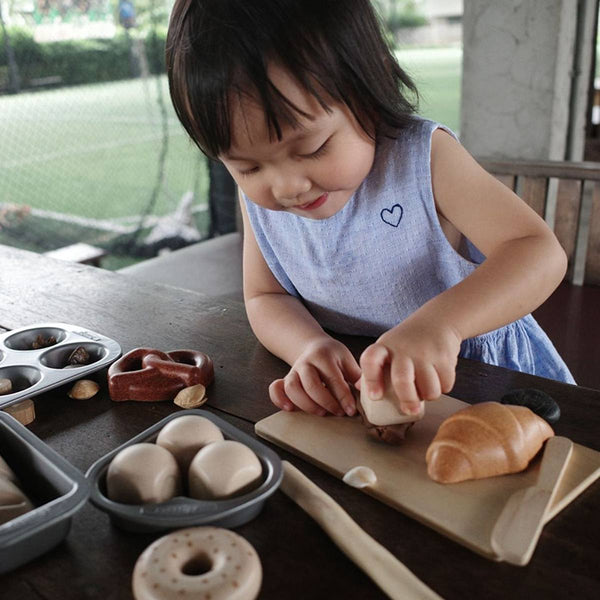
39 357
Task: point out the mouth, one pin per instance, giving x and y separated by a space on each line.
315 203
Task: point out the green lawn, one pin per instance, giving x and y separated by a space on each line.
437 74
93 152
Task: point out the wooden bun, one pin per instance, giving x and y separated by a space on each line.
385 411
485 440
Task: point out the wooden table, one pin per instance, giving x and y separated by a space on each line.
299 560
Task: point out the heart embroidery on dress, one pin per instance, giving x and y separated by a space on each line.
392 217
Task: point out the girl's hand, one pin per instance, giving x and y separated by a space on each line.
318 380
421 356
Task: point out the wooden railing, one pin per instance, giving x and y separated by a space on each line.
567 196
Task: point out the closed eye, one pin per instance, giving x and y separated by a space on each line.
320 151
248 172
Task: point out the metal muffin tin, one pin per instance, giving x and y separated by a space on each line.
34 371
182 511
57 489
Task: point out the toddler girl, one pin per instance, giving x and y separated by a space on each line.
359 216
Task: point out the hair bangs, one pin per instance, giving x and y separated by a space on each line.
219 51
206 83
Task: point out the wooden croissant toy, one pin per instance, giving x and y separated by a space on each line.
484 440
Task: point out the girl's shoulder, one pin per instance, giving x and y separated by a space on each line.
413 139
409 150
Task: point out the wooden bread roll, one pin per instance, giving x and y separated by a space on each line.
385 411
382 418
484 440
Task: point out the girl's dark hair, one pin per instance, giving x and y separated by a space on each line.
217 49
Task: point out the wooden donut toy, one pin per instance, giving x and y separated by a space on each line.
204 563
149 375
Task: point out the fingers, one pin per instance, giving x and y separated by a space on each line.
428 383
318 382
306 391
447 376
373 362
402 378
340 387
319 395
403 383
340 390
350 368
320 385
288 394
411 383
307 383
278 397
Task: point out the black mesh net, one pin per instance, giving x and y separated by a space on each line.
90 148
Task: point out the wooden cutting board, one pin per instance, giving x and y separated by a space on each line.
465 512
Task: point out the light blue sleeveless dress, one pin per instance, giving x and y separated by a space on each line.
372 264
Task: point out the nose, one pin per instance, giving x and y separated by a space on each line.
287 186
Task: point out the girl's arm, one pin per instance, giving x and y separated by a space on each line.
271 310
524 264
524 260
321 366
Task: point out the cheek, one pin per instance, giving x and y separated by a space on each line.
253 186
255 189
351 167
244 183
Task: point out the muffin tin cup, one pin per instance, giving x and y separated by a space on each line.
50 481
34 371
182 511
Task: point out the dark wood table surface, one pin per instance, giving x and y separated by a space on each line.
299 560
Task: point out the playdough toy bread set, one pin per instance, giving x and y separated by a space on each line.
191 472
468 471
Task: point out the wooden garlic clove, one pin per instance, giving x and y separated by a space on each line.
360 477
191 397
84 389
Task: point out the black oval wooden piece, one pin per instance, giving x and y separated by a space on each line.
539 402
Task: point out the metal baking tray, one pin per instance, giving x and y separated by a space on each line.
56 488
34 371
182 511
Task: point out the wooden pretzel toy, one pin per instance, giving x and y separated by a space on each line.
149 375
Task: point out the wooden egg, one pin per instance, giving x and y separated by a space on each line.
184 436
223 469
143 474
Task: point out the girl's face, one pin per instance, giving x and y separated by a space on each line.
314 170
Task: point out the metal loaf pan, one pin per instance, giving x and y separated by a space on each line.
34 371
56 488
182 511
